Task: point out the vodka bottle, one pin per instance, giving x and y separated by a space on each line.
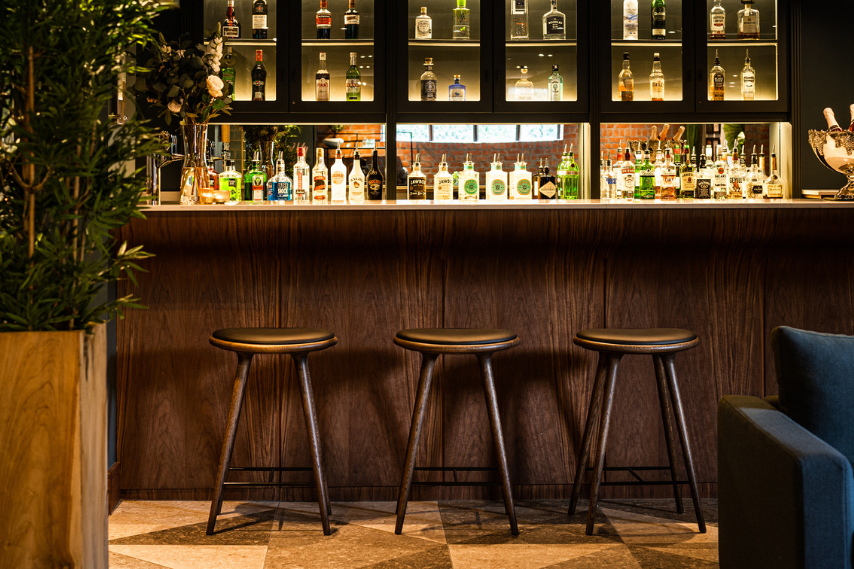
302 178
630 19
555 85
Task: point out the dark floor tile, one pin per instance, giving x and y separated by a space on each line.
666 509
436 558
653 559
252 529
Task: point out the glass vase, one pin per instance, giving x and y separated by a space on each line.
195 184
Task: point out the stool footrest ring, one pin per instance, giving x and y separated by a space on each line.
456 483
269 469
457 468
265 484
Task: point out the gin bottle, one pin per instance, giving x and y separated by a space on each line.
496 182
718 21
626 80
356 180
338 173
302 178
423 26
518 19
520 181
320 179
428 81
630 19
548 185
748 79
748 22
443 183
656 80
457 92
554 24
469 189
524 88
417 182
462 27
555 85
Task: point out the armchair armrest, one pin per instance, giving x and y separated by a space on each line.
785 497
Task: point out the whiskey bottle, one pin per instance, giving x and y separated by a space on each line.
753 182
457 92
703 180
351 22
423 26
748 79
647 180
718 22
356 180
736 177
302 178
338 174
748 21
375 180
519 19
255 180
656 80
554 24
524 88
720 179
688 189
462 26
320 180
259 77
659 28
773 185
259 19
443 182
630 19
321 81
832 125
717 80
555 85
520 181
323 21
626 178
626 80
469 190
228 73
668 177
496 181
416 182
354 80
229 179
230 25
428 81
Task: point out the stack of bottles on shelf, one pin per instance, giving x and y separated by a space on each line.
676 172
748 20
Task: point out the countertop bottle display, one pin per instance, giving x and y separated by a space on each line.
555 84
323 21
496 181
428 81
354 80
646 191
416 182
469 189
748 79
626 177
524 88
443 182
255 180
457 91
351 22
423 26
689 183
321 81
375 180
630 19
717 21
302 178
259 19
717 80
462 21
703 180
320 180
356 180
720 179
282 184
338 176
259 78
626 80
554 24
230 25
773 185
518 19
656 80
548 184
520 181
659 20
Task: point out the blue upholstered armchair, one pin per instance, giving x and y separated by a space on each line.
785 482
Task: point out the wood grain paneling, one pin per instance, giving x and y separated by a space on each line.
729 275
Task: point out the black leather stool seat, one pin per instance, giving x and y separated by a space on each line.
273 336
456 336
638 336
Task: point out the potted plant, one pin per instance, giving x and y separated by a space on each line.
67 181
270 141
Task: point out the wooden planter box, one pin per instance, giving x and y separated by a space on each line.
53 449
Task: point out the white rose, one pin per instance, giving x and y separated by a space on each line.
166 49
174 106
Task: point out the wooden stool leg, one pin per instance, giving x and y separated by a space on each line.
667 419
605 422
301 361
592 412
243 362
670 373
498 436
424 383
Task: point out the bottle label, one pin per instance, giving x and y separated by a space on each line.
354 87
688 185
458 94
461 18
627 89
258 90
228 75
548 190
337 178
470 187
444 189
428 90
749 25
324 21
718 23
630 24
423 29
656 89
282 191
555 91
498 188
320 187
357 187
519 6
704 189
774 190
232 32
322 89
259 22
351 19
375 190
523 187
417 189
555 25
658 19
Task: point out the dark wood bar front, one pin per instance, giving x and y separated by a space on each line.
730 274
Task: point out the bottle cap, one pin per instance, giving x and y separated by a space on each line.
555 68
423 9
626 55
428 61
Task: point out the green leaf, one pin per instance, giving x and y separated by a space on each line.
173 92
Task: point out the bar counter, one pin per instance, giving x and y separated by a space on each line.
729 271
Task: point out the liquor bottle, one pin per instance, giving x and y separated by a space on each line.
324 22
338 176
416 182
626 178
609 182
496 181
524 88
832 125
213 176
659 28
718 22
668 177
428 81
568 176
657 167
423 26
677 164
320 180
351 22
259 77
689 183
630 19
736 177
748 79
228 72
230 25
554 24
639 165
626 80
354 80
302 178
753 184
720 181
229 179
255 180
717 80
457 92
520 181
773 186
647 180
443 182
656 80
519 19
321 80
748 21
462 27
851 126
469 188
703 180
555 85
536 180
282 187
762 162
356 180
259 19
548 185
375 180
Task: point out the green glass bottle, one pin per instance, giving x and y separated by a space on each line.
647 180
462 26
563 176
574 176
254 181
354 80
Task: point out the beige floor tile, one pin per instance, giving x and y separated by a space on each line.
196 556
704 551
521 556
119 561
638 529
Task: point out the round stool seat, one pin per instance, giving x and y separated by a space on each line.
449 340
273 340
637 340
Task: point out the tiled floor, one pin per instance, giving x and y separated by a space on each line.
629 534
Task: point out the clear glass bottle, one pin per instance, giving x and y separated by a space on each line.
748 22
555 85
735 190
356 180
688 178
518 19
520 181
630 19
496 181
351 22
703 180
626 178
259 19
720 177
462 21
457 92
423 26
668 177
773 186
323 21
748 79
338 175
254 181
659 20
354 80
657 167
524 88
554 24
717 80
608 189
428 81
646 191
563 175
443 182
469 188
416 182
230 25
282 184
229 179
320 180
302 178
321 81
717 21
656 80
626 80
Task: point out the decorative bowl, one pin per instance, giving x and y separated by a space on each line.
836 151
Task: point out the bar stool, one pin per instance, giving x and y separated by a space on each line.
432 343
612 345
247 342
